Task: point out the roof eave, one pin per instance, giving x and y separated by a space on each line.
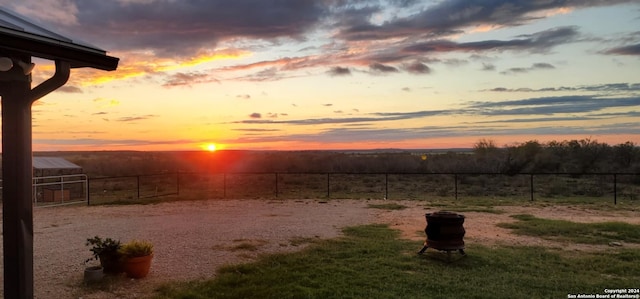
47 48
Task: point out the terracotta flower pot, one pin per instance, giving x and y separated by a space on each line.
138 267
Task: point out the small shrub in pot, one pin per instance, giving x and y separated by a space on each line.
137 256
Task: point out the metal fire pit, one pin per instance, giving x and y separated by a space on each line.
445 232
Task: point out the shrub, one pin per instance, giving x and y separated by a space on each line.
136 248
102 247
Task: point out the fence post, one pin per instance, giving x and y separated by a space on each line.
178 183
455 183
62 190
386 185
224 185
531 184
88 193
276 185
615 189
328 185
138 185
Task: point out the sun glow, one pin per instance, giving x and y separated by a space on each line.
211 147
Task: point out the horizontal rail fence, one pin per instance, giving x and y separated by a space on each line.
59 190
306 185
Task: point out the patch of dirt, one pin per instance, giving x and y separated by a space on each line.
482 227
193 239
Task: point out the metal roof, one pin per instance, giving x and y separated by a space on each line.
53 163
18 33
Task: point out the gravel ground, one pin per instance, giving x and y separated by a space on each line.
192 239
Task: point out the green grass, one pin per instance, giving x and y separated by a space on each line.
372 262
562 230
487 204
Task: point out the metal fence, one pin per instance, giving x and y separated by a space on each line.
304 185
60 190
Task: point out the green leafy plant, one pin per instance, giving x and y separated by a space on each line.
102 247
136 248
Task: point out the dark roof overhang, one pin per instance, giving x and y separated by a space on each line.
20 35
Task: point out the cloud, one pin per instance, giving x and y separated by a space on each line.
450 17
595 116
255 130
609 88
243 96
626 50
557 107
158 35
542 65
135 118
70 89
515 70
381 68
255 115
375 117
175 28
551 105
539 42
101 143
269 74
488 67
315 121
339 71
350 135
61 12
538 119
411 55
417 68
535 66
187 79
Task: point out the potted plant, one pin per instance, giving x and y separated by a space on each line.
106 250
137 256
93 274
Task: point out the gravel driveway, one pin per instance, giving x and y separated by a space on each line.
191 239
194 238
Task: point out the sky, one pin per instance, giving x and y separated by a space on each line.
341 74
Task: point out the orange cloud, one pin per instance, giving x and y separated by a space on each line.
553 12
485 28
136 64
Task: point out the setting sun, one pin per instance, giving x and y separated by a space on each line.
211 147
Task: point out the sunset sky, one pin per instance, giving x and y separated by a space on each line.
341 74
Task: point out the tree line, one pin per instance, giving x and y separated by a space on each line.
569 156
572 156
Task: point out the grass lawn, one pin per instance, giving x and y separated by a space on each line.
562 230
373 262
